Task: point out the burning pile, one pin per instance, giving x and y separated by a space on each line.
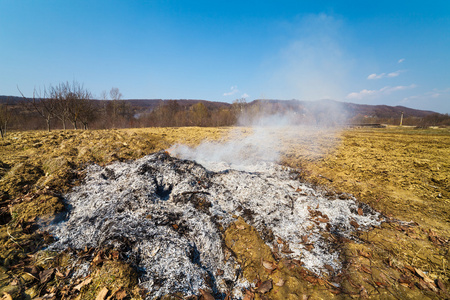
169 215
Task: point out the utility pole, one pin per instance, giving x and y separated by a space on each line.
401 119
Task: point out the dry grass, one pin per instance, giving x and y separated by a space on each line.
402 172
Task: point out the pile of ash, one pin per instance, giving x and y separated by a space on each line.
168 217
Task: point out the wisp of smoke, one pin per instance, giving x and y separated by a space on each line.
261 139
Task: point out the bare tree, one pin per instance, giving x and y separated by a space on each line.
59 94
78 99
5 116
115 96
65 101
88 113
43 105
200 114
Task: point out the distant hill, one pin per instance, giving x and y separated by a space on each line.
350 109
305 107
150 104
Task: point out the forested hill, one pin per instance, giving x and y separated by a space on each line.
352 109
25 114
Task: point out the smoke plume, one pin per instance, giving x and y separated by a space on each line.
263 137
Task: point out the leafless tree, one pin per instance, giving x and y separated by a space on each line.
65 101
200 114
5 116
88 113
43 105
59 94
78 99
115 96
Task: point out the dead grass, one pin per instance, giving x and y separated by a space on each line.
402 172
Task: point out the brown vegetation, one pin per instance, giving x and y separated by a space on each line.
70 103
402 172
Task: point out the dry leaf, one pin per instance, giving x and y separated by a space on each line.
286 249
380 283
311 279
309 247
366 269
410 268
360 211
404 284
265 287
280 282
14 282
46 275
424 276
7 296
404 279
85 282
321 281
269 265
120 294
441 285
249 295
59 274
102 294
304 239
364 254
298 262
97 259
329 268
422 285
279 241
206 295
354 224
336 292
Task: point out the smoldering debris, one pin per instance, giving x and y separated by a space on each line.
168 216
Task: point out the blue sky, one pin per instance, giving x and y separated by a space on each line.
367 52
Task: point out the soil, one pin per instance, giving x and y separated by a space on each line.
404 173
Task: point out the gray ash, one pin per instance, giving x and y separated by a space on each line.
168 215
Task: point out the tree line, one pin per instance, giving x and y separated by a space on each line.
69 105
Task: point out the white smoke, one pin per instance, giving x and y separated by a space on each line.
263 138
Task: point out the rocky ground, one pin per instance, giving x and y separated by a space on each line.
403 173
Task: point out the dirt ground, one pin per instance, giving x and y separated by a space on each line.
402 172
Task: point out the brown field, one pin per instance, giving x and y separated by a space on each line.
402 172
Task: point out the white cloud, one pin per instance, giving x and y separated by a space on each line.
393 74
384 75
360 94
233 90
245 95
383 91
401 60
375 76
388 89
